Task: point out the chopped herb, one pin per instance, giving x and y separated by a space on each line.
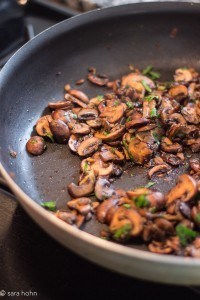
141 201
147 70
100 97
149 184
197 218
123 232
129 104
126 147
128 119
156 137
153 113
153 210
50 136
127 205
113 150
127 86
151 97
105 132
116 102
185 234
154 75
150 73
74 116
86 165
146 86
51 205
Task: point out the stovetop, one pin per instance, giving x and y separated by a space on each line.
31 263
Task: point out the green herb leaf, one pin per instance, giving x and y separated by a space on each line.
113 150
51 205
197 218
127 149
129 104
149 184
153 210
123 232
116 102
147 70
50 136
127 205
146 86
86 165
154 75
128 119
106 133
151 97
185 234
153 112
141 201
156 137
100 97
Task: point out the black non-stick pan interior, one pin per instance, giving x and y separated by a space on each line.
108 40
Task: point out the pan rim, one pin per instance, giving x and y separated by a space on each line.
41 212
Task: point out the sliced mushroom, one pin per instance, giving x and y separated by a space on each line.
184 190
104 208
82 205
169 147
103 189
116 132
113 114
190 113
96 123
88 146
126 223
36 145
68 117
172 159
60 131
183 75
81 129
159 169
137 122
73 143
111 154
68 217
67 105
97 79
86 114
42 127
84 189
140 151
176 118
75 100
79 95
195 164
148 107
160 247
127 80
179 92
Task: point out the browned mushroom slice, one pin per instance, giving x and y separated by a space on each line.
68 217
114 134
169 147
130 79
60 131
86 114
81 129
113 114
73 143
97 165
89 146
103 189
82 205
42 127
185 190
183 74
172 159
104 207
125 223
97 79
194 144
79 95
160 247
140 151
67 105
178 92
177 119
148 108
67 117
146 128
36 145
190 113
75 100
159 169
195 164
136 121
86 188
94 102
111 154
96 123
176 131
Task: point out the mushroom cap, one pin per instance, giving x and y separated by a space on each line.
88 146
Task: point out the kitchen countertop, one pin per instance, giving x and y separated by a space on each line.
32 264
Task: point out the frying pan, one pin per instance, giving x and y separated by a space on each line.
108 39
